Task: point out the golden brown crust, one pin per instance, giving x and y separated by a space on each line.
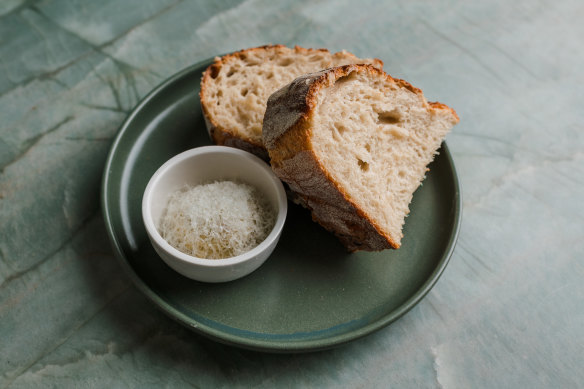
438 105
287 133
225 136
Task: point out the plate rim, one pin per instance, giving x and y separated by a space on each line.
255 343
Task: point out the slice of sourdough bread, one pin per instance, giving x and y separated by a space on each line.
353 143
236 87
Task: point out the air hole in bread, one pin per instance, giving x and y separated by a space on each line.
286 62
389 117
231 72
270 76
363 165
368 147
340 127
315 58
244 92
398 131
214 71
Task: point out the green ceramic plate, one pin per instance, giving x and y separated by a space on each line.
310 294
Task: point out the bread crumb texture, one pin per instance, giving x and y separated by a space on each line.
236 87
217 220
370 135
376 139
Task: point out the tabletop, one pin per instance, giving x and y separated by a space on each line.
508 310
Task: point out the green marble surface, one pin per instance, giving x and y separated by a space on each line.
509 309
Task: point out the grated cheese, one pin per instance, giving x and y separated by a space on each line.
217 220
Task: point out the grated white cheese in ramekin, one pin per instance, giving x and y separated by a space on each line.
217 220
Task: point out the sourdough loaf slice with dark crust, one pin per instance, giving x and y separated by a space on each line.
236 87
353 143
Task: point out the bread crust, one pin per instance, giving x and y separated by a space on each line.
287 135
225 136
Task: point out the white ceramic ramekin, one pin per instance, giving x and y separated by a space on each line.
204 164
